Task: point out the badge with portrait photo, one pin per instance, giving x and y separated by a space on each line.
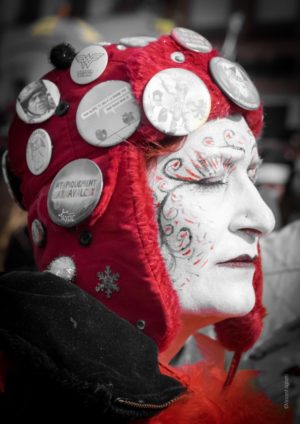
37 101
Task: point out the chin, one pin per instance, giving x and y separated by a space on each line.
228 301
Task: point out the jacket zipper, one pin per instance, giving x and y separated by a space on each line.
142 405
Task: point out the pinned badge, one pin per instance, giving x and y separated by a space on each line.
177 57
176 101
63 267
38 151
37 101
139 41
88 64
234 81
108 114
38 233
191 40
75 192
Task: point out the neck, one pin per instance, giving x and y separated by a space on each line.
190 324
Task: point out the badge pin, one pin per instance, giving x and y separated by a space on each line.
178 57
191 40
176 101
108 114
38 101
38 233
140 41
234 81
63 267
88 64
38 151
75 192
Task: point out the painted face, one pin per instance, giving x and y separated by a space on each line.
210 217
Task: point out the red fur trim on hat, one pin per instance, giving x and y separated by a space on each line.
148 231
207 403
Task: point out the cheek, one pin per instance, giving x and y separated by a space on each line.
187 229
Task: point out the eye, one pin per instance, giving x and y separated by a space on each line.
213 182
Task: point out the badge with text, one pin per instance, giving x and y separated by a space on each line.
37 101
88 64
234 81
75 192
38 151
191 40
176 101
108 114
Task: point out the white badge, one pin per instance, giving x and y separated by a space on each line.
38 151
88 64
37 101
108 114
191 40
234 81
176 101
140 41
75 192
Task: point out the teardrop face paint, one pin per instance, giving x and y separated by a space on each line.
210 217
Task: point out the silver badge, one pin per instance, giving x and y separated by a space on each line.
75 192
176 101
88 64
234 81
37 101
38 151
63 267
38 233
191 40
108 114
140 41
178 57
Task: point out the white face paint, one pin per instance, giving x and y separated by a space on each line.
209 213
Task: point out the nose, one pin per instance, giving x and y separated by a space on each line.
251 213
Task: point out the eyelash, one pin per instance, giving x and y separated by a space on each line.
211 185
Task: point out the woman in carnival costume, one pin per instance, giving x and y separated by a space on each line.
145 222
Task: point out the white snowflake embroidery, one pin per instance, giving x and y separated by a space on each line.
108 284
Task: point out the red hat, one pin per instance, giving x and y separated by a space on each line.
90 210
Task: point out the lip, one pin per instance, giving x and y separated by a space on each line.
242 261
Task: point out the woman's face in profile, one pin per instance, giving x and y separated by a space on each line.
210 217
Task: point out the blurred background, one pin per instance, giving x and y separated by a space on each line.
262 35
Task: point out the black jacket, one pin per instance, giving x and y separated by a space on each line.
71 353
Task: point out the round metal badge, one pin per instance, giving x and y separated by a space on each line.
234 81
38 151
177 57
75 192
63 267
38 233
38 101
191 40
88 64
108 114
176 101
139 41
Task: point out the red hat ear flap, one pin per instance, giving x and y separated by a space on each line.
239 334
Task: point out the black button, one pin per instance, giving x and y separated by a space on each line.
62 108
85 238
